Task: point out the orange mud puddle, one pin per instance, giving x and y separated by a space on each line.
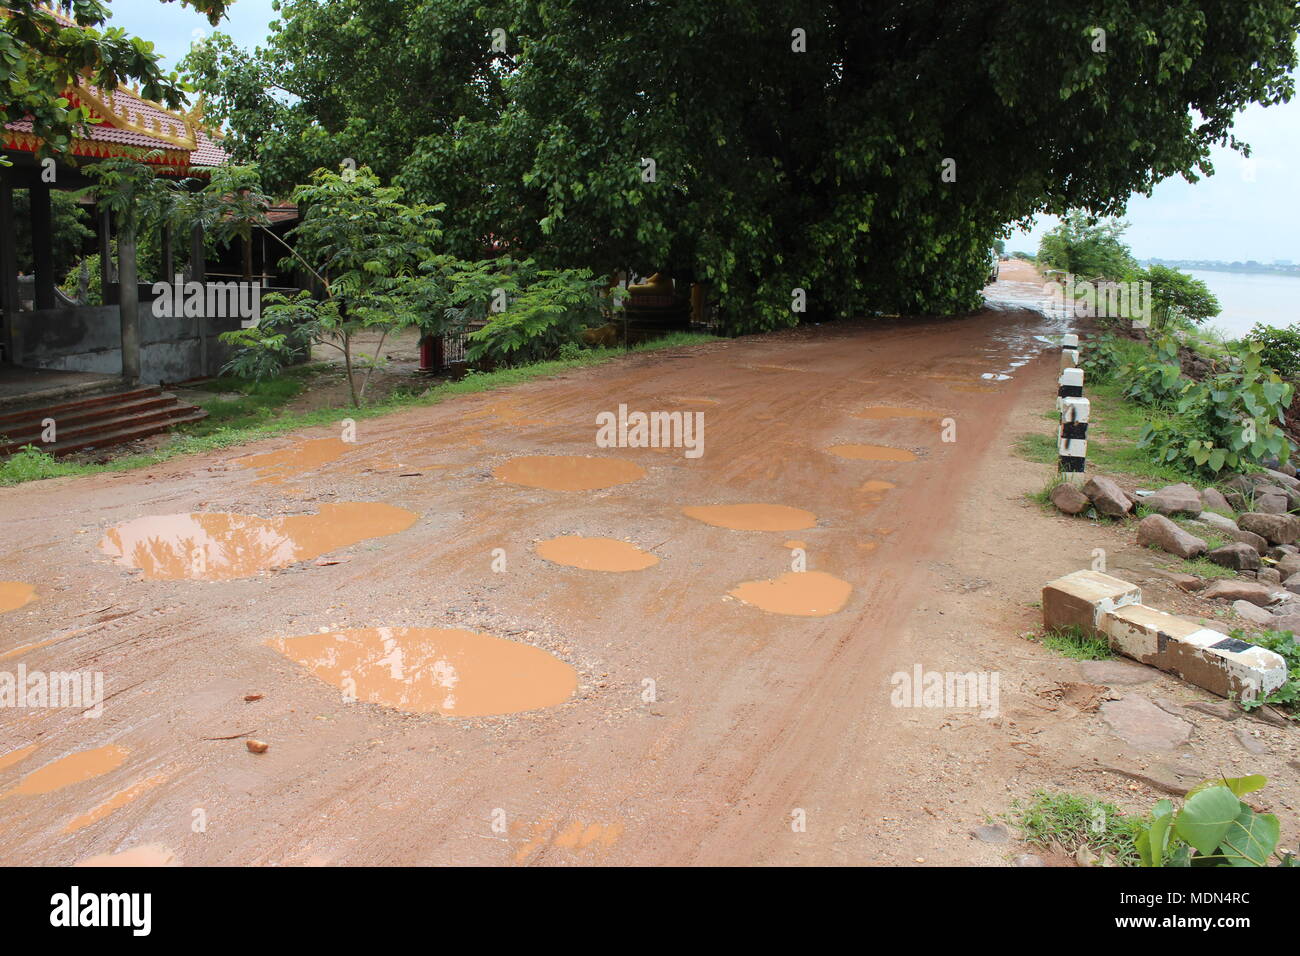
276 467
217 546
872 453
446 671
753 517
596 554
68 770
114 803
568 472
879 412
14 594
798 593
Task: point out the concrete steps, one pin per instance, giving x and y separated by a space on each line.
98 421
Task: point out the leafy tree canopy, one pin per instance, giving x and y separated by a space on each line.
868 154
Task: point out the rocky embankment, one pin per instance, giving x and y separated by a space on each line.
1248 528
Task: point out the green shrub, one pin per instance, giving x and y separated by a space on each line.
1280 348
1284 643
1231 420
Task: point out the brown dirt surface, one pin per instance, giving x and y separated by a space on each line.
703 729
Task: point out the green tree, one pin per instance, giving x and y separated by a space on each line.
366 247
1088 248
42 57
867 154
1178 297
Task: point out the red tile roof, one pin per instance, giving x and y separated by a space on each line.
127 119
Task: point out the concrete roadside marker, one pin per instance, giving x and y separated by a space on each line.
1069 385
1069 350
1072 439
1106 606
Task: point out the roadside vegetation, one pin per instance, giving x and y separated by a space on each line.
1213 826
260 413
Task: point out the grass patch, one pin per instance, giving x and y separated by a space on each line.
1071 821
32 464
253 417
258 402
1075 643
1203 568
1113 430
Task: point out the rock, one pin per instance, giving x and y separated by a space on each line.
1278 529
1251 743
252 698
1213 500
1218 522
1284 479
1181 498
1269 576
1272 504
1069 499
1223 709
1287 565
1117 673
1292 583
1290 621
1240 484
991 833
1158 531
1236 500
1143 725
1229 590
1287 469
1238 556
1252 612
1107 497
1028 859
1267 489
257 746
1250 538
1185 582
1084 856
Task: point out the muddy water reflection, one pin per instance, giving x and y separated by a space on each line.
217 546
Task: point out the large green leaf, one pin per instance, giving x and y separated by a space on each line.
1206 817
1251 838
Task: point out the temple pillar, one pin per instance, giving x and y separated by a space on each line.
9 269
104 229
128 300
42 245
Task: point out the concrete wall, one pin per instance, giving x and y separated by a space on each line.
87 339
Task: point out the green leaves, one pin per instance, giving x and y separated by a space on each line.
1214 827
1206 816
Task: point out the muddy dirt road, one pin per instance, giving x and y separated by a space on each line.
696 706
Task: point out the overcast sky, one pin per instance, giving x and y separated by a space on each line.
1247 210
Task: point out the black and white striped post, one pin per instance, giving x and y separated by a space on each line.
1072 440
1070 350
1068 385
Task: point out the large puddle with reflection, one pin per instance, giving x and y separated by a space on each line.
798 593
15 594
596 554
753 517
218 546
447 671
568 472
